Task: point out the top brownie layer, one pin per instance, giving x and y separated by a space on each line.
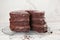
19 14
35 13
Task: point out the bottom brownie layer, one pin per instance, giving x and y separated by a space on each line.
40 30
20 28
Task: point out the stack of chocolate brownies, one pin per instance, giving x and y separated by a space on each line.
37 21
26 20
19 21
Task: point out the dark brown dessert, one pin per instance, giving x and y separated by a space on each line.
24 20
19 21
37 19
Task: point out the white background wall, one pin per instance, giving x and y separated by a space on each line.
51 8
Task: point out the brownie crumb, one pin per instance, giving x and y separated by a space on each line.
51 32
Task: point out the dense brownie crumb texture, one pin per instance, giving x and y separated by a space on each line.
26 20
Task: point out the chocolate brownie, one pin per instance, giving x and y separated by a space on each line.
19 21
24 20
37 21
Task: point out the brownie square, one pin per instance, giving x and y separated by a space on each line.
19 21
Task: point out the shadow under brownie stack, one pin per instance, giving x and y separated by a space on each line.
38 23
19 21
